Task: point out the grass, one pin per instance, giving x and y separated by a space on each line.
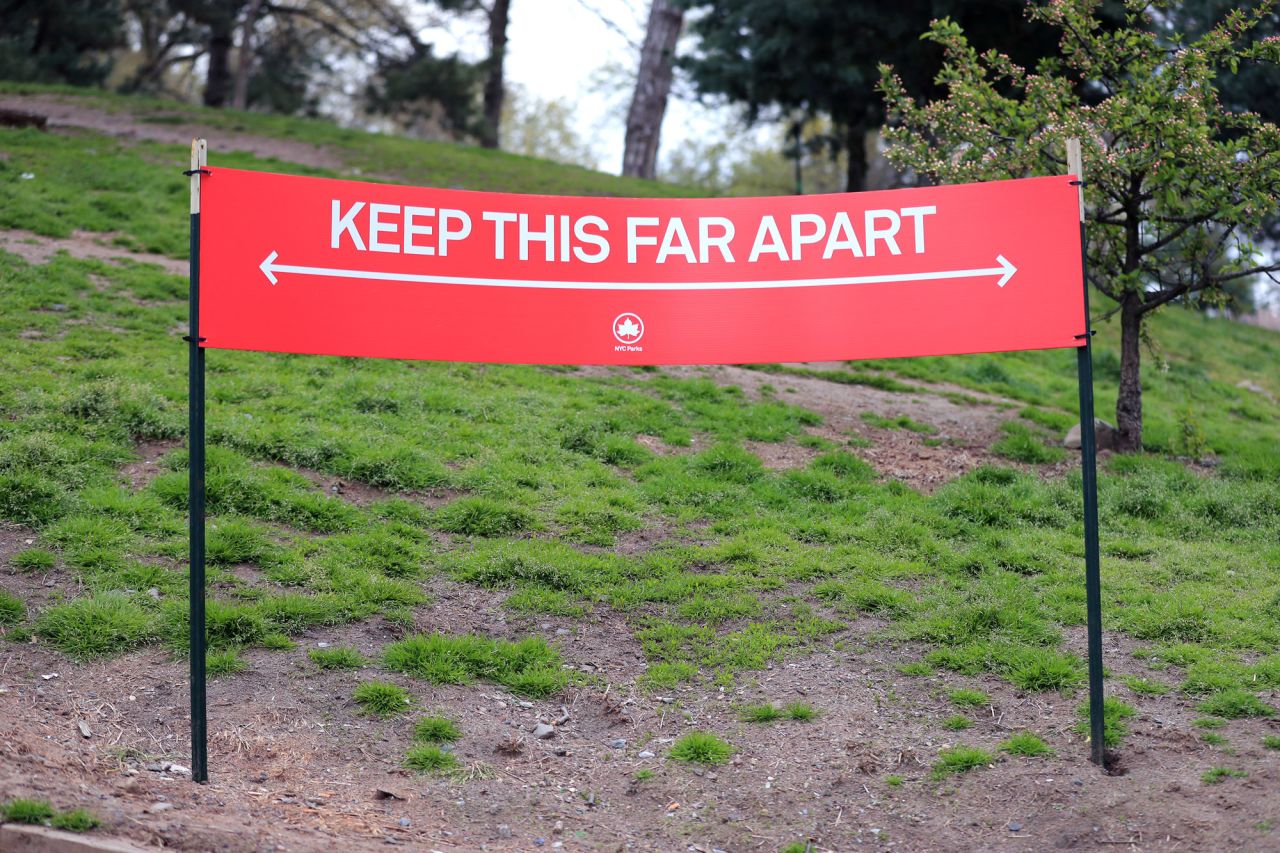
963 697
382 699
76 820
429 758
226 662
1218 775
894 781
767 713
12 610
528 667
957 722
540 472
898 422
1026 744
1115 714
1271 741
339 657
1235 704
960 759
21 810
436 730
701 748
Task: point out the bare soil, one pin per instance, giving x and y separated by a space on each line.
72 112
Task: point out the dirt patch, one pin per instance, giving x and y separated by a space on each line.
292 762
35 249
66 113
141 472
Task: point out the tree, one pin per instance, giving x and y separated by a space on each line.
498 13
653 87
820 57
536 127
1176 184
59 41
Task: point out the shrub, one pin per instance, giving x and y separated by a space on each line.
342 657
701 748
381 698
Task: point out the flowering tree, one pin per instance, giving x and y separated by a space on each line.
1176 184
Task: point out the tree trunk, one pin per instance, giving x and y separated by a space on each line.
494 88
244 57
856 150
218 83
1129 401
653 87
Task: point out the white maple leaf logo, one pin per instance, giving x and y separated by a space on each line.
628 329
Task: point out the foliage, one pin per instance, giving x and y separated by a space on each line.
12 610
1176 184
59 41
819 57
76 820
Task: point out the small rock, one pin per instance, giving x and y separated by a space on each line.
561 751
384 793
618 743
154 593
404 821
322 645
85 731
542 731
1014 826
50 675
558 828
524 704
644 754
1105 433
504 831
563 632
538 842
160 807
1249 385
58 306
156 767
178 768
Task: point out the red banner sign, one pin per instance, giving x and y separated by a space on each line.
313 265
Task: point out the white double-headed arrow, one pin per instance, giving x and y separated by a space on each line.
269 268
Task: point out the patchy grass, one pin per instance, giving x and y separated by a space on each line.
108 623
33 560
1271 741
382 699
957 722
963 697
528 667
76 820
801 712
1027 744
340 657
960 759
429 758
766 713
1218 775
227 662
701 748
12 610
436 730
21 810
1235 704
1115 715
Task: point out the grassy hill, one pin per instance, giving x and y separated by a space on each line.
633 495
